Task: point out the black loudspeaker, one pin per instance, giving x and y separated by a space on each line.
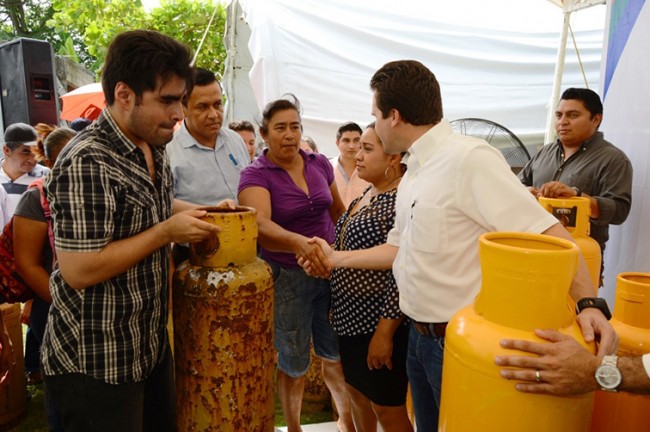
27 82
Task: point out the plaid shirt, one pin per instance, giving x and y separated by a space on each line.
100 191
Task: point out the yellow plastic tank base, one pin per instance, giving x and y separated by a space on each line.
526 280
476 398
624 412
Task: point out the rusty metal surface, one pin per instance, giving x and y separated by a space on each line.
235 244
223 331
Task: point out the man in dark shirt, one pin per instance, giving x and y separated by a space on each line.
582 163
106 353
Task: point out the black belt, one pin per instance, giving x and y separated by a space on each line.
430 329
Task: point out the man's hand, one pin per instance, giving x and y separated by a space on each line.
227 204
313 257
562 367
556 189
533 190
380 351
187 227
595 327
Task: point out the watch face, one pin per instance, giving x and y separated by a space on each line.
608 376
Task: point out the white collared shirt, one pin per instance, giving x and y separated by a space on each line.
455 189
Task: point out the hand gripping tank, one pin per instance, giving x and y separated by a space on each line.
526 279
625 412
223 330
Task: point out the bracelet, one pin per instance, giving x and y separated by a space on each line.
578 191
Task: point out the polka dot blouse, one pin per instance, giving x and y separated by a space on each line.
361 297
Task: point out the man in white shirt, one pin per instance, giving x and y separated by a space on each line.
18 167
206 159
455 189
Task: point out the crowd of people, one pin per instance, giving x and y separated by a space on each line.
372 252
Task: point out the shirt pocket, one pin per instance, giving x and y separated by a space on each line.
428 232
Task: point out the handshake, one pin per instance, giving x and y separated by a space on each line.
316 257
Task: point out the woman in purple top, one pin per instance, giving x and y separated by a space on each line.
296 199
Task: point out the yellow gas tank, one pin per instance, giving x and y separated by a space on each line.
574 215
625 412
526 280
223 330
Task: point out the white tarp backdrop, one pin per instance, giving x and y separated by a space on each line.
626 123
494 59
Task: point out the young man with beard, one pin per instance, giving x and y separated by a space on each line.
106 355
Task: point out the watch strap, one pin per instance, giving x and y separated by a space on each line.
594 302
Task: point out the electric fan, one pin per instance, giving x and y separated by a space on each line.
498 136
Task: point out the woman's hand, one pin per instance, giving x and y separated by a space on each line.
313 257
380 351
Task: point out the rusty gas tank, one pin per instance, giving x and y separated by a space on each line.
223 330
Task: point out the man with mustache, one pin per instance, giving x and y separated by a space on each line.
582 163
206 158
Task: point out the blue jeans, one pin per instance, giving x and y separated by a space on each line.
301 306
424 369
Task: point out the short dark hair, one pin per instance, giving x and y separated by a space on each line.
241 125
589 98
409 87
348 127
139 58
200 77
287 102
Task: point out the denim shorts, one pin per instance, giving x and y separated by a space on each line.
301 311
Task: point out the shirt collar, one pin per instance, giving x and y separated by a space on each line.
187 140
598 136
425 146
119 142
267 163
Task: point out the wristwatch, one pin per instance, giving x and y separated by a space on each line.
578 191
594 302
607 375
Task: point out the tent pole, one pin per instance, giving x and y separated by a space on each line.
557 81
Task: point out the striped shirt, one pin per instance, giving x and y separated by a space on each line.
100 191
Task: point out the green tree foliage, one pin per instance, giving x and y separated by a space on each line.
27 18
186 20
93 23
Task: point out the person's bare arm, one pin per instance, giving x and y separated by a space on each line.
565 367
337 208
271 235
593 323
30 237
380 350
83 269
375 258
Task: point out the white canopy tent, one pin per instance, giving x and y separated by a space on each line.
494 60
626 123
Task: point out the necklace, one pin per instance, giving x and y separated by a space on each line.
388 186
361 209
